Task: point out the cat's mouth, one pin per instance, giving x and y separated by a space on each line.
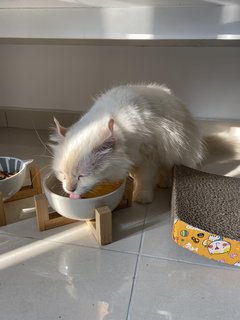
74 196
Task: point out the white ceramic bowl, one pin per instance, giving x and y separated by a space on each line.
79 209
13 184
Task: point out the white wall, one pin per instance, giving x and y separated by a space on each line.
66 77
200 20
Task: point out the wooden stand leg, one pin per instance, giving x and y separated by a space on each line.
45 220
25 192
102 226
36 179
2 212
41 206
128 195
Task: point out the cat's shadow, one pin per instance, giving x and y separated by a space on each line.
139 218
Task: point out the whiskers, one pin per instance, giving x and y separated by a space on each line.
41 171
46 154
57 188
46 148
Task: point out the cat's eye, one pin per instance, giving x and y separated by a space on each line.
80 176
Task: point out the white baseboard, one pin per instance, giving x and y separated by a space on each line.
35 119
43 119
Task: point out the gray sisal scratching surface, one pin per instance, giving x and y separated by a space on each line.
207 201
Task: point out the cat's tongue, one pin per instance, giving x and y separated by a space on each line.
74 196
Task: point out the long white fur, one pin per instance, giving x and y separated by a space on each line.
152 129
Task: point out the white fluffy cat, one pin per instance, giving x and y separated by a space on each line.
137 129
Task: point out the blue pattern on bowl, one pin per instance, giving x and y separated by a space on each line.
10 165
9 186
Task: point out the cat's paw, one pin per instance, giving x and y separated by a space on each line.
143 196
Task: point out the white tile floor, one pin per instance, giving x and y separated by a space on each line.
143 275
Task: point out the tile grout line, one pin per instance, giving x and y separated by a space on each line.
136 267
11 234
225 267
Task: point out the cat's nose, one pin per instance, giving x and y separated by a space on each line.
71 188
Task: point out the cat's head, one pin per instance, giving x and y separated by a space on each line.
85 156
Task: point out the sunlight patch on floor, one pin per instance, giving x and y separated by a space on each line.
39 247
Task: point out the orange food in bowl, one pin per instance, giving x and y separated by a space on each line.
99 190
102 189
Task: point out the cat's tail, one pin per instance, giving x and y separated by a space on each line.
221 146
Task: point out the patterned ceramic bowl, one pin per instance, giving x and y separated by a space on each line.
12 183
78 209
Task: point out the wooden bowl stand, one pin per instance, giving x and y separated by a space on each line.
25 192
101 226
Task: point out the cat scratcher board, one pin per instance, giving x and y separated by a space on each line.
206 214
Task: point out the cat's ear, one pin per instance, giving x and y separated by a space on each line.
58 132
109 130
111 125
60 129
109 139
